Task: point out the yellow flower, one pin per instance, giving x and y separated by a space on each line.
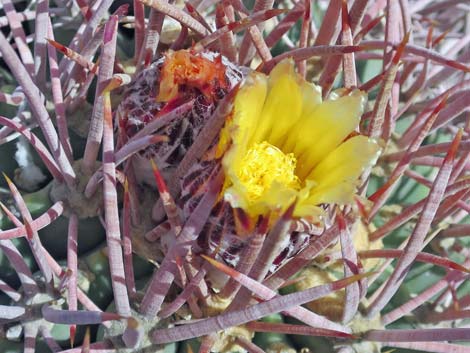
284 143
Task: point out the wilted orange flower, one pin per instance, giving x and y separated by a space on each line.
192 70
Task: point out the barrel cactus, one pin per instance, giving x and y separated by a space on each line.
234 176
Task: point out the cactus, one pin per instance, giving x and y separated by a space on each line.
234 176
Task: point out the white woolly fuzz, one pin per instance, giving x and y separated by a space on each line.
28 176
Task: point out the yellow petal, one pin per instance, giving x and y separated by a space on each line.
341 194
282 107
318 133
277 197
311 98
336 176
248 106
305 207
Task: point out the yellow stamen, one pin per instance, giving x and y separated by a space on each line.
264 164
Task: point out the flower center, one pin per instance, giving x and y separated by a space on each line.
265 164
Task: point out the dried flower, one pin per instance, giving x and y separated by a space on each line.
191 70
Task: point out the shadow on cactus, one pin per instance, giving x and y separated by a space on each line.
180 189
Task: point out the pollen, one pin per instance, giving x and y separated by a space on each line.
265 165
